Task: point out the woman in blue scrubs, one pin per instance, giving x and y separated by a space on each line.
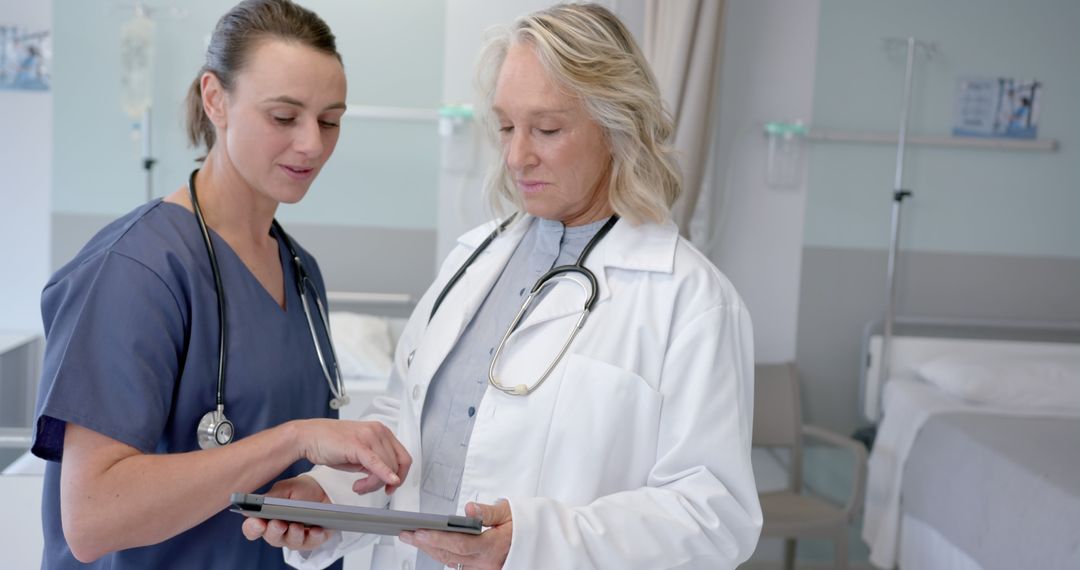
132 327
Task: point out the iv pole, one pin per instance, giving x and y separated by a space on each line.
148 159
137 50
899 194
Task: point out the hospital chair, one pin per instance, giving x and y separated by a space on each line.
790 513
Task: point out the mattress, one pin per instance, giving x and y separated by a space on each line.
923 547
910 405
1004 489
364 345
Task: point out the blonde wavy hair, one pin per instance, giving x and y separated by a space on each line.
591 54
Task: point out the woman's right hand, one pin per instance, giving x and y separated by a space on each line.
365 447
279 533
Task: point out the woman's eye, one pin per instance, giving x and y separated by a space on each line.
548 132
284 120
506 130
328 124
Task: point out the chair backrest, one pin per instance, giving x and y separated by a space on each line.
778 413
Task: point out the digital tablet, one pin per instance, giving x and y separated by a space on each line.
350 518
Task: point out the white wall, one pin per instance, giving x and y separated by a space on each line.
770 49
25 184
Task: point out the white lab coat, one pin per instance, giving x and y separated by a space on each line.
635 453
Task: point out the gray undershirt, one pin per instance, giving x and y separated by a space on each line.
457 387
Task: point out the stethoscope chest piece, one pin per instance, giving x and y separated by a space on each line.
215 430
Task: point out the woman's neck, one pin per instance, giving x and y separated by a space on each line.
230 205
597 208
590 216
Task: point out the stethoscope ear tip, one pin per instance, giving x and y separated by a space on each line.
338 403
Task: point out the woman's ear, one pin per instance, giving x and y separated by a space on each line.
213 99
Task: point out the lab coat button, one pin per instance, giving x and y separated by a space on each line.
405 565
416 392
408 361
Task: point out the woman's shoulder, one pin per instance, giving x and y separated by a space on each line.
693 268
687 273
155 235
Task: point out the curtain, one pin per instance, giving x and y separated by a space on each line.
683 45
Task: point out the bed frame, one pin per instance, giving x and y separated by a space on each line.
398 305
917 339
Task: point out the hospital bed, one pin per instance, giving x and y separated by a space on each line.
365 328
20 527
976 460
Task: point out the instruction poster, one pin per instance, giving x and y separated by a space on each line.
25 58
997 107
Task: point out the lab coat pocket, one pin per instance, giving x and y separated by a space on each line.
442 480
603 431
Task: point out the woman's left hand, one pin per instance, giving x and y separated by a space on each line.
279 533
487 550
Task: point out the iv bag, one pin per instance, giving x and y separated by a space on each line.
136 63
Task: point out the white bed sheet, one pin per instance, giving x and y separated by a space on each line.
908 405
365 345
361 391
922 547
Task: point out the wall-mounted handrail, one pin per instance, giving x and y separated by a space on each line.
827 135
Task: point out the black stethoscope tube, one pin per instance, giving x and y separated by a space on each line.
220 401
214 428
522 389
464 266
577 267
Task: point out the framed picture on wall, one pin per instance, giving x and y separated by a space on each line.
997 107
25 58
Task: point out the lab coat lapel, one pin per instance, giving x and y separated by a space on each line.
464 299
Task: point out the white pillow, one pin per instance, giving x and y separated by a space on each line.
362 343
1049 382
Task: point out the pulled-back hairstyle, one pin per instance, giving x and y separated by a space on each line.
236 35
590 53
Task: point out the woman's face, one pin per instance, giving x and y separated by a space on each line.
282 118
555 153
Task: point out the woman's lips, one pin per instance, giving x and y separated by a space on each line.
531 186
297 172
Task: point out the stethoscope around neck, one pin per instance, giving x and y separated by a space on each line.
560 273
215 429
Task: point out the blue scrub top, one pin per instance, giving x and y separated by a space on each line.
131 350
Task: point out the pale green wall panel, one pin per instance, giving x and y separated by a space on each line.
383 173
972 201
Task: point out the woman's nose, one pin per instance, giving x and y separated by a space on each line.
309 139
519 152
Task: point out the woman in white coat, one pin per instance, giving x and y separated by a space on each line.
634 451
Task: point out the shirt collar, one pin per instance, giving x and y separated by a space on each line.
643 247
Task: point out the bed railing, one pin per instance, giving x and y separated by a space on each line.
398 305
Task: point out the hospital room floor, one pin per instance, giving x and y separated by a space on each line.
827 473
